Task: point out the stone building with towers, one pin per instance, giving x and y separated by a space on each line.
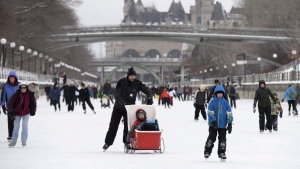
204 13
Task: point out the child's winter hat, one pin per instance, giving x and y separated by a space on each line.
141 111
202 87
274 93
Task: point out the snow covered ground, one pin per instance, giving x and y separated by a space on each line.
62 140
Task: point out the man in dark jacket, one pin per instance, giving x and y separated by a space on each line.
264 105
126 91
47 91
199 103
232 96
72 97
106 90
9 88
84 94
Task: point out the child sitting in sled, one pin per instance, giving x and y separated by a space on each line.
141 117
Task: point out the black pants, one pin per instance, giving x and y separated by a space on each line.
10 124
274 122
212 138
165 101
179 96
88 101
116 116
197 111
293 103
184 96
54 102
71 105
262 112
232 99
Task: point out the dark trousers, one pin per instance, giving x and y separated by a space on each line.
184 96
232 99
165 101
179 96
293 103
76 99
262 112
212 138
88 101
197 111
71 105
116 116
10 124
275 122
171 101
54 102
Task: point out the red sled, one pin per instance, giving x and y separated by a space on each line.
144 140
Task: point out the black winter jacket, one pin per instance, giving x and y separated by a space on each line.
126 92
84 93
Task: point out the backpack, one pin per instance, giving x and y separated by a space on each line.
292 95
150 125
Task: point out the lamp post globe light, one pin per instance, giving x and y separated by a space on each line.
258 59
35 53
233 65
3 42
28 52
21 48
41 56
12 46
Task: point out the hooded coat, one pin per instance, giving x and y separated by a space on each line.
219 110
262 96
288 92
9 89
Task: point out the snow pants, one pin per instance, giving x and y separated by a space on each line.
197 111
10 124
212 138
116 116
88 101
293 103
262 112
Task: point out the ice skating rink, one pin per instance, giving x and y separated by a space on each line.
72 140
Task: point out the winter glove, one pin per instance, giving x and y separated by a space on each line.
229 128
32 113
254 109
195 105
282 100
280 114
12 117
215 125
149 101
4 109
205 105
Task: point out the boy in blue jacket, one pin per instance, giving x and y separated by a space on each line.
219 117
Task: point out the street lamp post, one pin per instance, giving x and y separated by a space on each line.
201 73
211 72
275 56
35 53
205 71
225 69
233 65
41 56
3 42
294 52
12 46
21 48
29 53
217 68
258 59
46 63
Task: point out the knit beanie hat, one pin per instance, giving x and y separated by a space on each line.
131 71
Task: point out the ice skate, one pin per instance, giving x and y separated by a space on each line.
8 139
94 111
206 155
261 131
84 112
105 147
222 156
23 143
12 144
289 113
270 131
196 120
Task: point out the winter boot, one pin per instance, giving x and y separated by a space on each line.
105 147
12 144
23 143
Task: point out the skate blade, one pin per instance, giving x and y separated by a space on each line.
223 160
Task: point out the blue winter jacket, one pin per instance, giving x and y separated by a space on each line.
8 90
219 110
287 93
54 94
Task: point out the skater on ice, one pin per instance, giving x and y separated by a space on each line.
291 95
219 120
126 91
264 105
276 110
199 103
21 105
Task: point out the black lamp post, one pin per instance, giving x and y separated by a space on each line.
21 48
29 52
35 53
41 64
233 65
3 42
12 46
258 59
46 63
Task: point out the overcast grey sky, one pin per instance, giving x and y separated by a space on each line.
110 12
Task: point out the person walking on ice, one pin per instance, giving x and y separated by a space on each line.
219 117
